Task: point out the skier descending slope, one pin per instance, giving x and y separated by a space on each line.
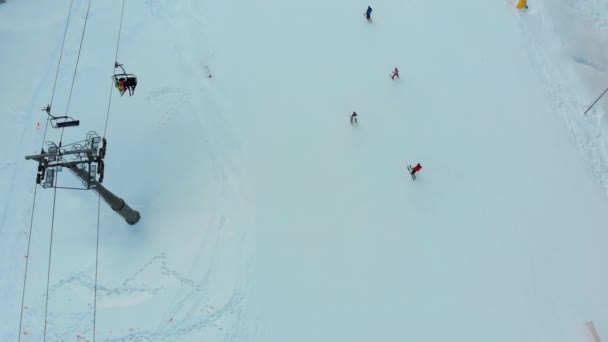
368 14
395 74
353 119
414 170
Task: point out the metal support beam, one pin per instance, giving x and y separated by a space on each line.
38 157
115 202
86 161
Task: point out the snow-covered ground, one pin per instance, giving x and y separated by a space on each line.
570 40
266 216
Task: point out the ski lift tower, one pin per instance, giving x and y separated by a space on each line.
85 159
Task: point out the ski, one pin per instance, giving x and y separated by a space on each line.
409 168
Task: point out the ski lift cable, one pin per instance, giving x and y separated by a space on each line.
46 306
65 33
105 129
48 275
84 29
29 239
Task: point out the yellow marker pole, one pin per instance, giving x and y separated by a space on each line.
522 4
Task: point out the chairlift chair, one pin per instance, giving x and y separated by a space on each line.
125 77
60 121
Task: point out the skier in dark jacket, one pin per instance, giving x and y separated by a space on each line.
131 83
368 13
395 74
353 118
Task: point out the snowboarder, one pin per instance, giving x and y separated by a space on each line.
353 119
414 170
368 13
131 83
395 74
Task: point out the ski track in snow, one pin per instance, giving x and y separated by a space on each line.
201 313
590 141
589 9
155 7
208 317
173 101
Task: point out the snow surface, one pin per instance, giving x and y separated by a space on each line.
266 216
569 36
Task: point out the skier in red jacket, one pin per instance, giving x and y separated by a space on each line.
416 168
121 84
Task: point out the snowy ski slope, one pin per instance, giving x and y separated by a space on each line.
569 36
266 216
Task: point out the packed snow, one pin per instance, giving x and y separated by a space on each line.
267 215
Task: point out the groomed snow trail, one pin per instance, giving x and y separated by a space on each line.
501 236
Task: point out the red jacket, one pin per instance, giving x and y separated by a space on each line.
417 168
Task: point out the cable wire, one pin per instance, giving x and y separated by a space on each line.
29 240
105 129
115 58
84 29
48 276
86 20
